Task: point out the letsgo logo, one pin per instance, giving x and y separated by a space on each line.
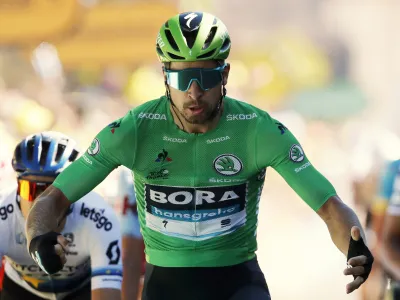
5 211
97 217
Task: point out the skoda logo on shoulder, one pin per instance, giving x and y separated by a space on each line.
94 147
227 164
296 153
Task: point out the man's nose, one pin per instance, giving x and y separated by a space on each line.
195 92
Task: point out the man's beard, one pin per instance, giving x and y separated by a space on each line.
205 117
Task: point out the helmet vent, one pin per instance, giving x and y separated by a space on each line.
208 54
60 151
43 153
17 158
173 56
30 147
159 51
210 38
226 45
74 155
190 37
171 40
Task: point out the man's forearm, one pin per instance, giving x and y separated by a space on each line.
132 260
130 284
46 214
41 218
339 219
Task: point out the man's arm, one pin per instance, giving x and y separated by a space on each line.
132 241
106 294
341 222
339 218
288 158
52 202
132 261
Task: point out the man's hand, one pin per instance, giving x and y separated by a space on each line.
359 261
48 251
62 248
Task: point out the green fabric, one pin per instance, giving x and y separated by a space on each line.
197 194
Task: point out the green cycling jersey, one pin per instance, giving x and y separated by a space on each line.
197 194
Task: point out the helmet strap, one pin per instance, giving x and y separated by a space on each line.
174 108
218 108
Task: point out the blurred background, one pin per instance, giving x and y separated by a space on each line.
329 70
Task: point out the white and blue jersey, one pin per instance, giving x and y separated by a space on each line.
94 252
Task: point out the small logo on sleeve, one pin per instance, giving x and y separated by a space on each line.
94 147
296 153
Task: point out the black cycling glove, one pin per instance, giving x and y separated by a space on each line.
42 251
357 248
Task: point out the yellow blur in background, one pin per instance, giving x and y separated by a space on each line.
329 70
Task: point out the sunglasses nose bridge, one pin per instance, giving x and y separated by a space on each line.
195 90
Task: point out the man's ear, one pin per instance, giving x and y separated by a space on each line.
225 74
164 74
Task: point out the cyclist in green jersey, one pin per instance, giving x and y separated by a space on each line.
199 160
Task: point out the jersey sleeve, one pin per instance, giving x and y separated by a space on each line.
3 246
104 242
6 209
115 145
4 233
276 147
390 188
129 216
